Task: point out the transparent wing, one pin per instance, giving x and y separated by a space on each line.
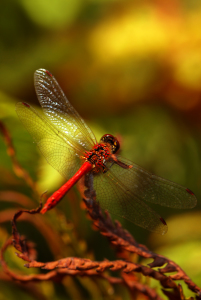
59 110
151 188
114 196
56 147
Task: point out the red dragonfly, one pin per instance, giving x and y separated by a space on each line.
70 147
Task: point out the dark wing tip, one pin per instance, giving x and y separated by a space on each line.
190 192
41 71
25 104
163 221
165 227
48 73
193 198
42 76
19 105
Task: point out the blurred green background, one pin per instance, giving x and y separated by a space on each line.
130 68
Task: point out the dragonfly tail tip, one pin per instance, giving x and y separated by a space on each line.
43 210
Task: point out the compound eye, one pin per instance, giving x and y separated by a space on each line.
110 139
116 146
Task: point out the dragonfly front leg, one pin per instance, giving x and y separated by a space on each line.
120 163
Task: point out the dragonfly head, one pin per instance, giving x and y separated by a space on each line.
112 141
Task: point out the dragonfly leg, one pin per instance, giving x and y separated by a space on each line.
120 163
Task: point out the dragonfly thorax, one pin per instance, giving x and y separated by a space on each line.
98 156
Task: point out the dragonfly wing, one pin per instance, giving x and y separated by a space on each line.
59 110
52 144
151 188
120 201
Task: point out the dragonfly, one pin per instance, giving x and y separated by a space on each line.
69 145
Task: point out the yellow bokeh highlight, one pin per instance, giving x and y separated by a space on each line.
141 33
188 68
129 34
